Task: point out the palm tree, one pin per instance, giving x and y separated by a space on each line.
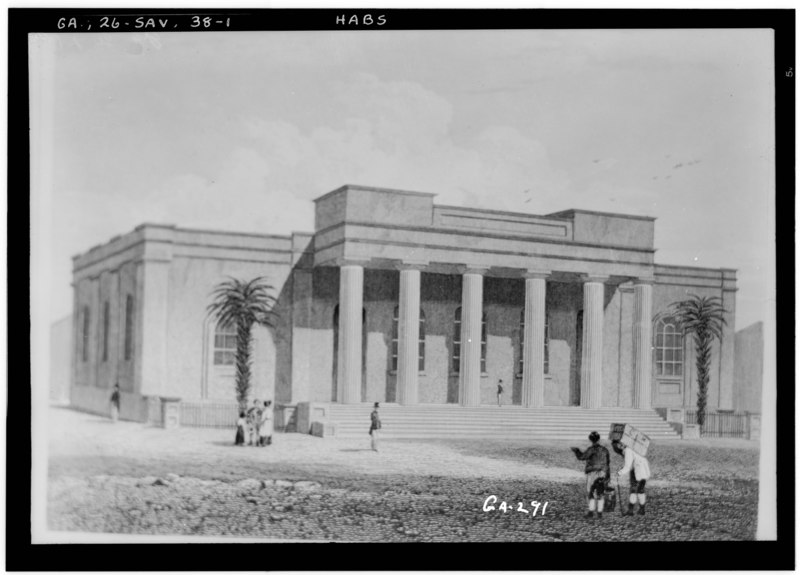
703 317
242 304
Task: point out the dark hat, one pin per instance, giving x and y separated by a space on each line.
377 404
594 436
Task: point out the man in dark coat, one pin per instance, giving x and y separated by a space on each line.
598 472
375 426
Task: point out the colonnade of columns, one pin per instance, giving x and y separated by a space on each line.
351 289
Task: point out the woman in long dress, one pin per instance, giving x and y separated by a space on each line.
265 430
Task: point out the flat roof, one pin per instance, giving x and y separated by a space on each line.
595 213
373 189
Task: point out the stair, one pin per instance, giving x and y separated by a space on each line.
428 421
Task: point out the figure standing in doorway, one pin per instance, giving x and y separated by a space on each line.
499 392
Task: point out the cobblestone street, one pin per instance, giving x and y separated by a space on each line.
129 478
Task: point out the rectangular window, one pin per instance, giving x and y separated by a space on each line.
225 346
483 343
546 343
522 343
128 327
105 331
85 335
395 337
457 342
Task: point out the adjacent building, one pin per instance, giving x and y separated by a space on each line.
749 368
394 298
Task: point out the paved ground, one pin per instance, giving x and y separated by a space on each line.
130 478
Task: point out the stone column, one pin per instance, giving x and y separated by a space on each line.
642 343
408 334
351 304
471 315
592 360
533 339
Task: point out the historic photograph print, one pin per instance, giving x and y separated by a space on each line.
375 285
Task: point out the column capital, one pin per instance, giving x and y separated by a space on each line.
536 274
411 265
346 261
594 278
647 280
472 269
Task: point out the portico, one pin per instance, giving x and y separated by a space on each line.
363 229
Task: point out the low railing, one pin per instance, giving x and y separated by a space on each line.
209 414
721 424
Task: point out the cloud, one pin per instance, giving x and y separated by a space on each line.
397 135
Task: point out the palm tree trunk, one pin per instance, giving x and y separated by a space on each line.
703 343
243 347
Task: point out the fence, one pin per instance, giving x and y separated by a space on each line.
209 414
721 424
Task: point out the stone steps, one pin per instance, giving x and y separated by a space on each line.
512 422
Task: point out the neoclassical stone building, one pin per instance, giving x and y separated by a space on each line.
396 299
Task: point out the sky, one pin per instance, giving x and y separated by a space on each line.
240 131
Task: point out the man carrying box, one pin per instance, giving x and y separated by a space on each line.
638 469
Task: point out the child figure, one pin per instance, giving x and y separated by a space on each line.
240 424
254 421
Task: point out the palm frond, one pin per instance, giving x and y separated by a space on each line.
241 304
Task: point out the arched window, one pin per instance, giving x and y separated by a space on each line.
668 348
225 345
105 330
396 336
457 342
522 342
128 327
85 335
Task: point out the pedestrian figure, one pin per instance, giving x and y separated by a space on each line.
638 469
253 421
499 391
240 425
597 471
265 429
375 426
115 403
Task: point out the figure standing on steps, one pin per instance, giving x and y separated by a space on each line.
499 391
638 469
598 471
374 427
